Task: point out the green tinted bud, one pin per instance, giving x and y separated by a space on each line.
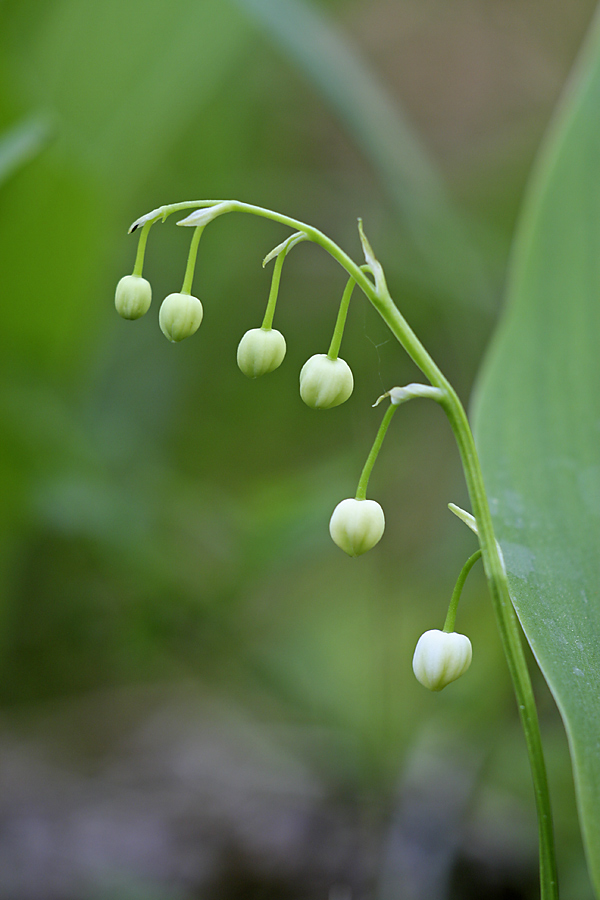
325 382
441 657
133 296
357 525
180 316
260 351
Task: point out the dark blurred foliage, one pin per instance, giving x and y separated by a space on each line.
201 696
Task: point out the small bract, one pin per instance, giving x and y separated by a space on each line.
260 351
357 525
441 657
133 296
325 382
180 316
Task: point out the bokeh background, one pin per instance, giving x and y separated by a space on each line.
201 696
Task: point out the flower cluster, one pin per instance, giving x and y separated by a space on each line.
357 524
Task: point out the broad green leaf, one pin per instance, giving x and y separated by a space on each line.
384 133
538 427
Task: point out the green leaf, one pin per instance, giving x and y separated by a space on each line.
538 427
384 133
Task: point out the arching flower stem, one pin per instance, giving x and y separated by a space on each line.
191 261
510 634
338 332
361 490
267 322
138 267
460 583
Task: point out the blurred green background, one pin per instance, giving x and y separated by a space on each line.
201 696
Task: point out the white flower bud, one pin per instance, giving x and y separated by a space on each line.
133 296
357 525
440 658
180 316
260 351
325 382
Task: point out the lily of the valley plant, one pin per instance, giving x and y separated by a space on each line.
357 523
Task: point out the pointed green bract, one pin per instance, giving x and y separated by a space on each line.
537 418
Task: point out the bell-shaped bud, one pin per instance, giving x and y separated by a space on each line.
441 657
325 382
261 350
180 316
357 525
133 296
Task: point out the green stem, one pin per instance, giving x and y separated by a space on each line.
338 332
451 617
312 234
361 490
379 296
274 292
141 250
191 261
498 586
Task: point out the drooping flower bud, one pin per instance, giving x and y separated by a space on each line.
133 296
261 350
325 382
357 525
180 316
441 657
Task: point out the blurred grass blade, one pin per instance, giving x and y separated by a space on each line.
22 143
538 427
386 137
128 79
